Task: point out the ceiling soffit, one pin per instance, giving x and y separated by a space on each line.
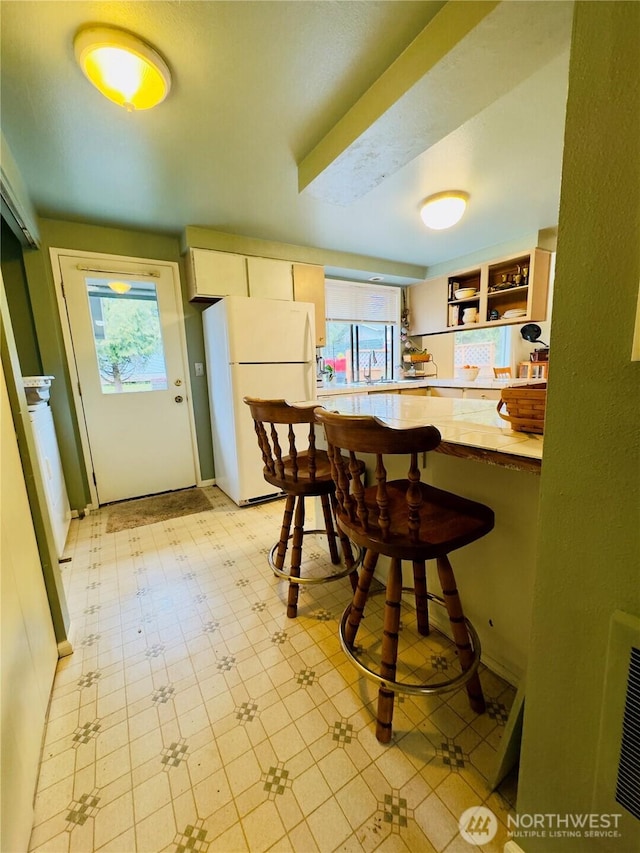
467 57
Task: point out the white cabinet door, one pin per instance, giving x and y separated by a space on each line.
481 394
214 274
445 392
270 278
428 306
308 286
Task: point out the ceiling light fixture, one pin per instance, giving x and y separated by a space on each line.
121 66
444 209
120 286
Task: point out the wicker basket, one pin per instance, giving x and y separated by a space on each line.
526 406
417 357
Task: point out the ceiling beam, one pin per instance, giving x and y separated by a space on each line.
469 55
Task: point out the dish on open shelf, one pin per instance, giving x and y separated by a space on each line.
514 312
465 292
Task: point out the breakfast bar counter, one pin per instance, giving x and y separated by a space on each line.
470 429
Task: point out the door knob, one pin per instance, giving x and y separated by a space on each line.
178 399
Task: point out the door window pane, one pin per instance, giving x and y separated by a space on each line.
127 335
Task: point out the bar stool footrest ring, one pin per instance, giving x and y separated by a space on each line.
403 686
325 578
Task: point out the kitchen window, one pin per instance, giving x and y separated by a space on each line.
363 331
483 348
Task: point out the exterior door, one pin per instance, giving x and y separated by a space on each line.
126 332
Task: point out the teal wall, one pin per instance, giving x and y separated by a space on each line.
588 562
117 241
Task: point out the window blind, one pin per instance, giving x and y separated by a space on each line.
353 302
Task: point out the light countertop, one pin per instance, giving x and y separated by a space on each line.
469 428
332 389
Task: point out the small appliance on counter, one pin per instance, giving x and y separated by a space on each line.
541 354
538 365
531 333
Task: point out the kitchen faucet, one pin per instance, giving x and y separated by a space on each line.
367 374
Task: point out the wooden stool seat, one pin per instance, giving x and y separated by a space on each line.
447 522
303 475
299 473
404 520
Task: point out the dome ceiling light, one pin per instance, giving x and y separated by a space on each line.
444 209
123 67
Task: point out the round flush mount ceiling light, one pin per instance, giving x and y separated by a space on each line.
123 67
444 209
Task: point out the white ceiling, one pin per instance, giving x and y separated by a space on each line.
256 86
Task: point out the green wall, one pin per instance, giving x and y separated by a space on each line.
15 283
116 241
588 560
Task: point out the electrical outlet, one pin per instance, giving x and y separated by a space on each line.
199 366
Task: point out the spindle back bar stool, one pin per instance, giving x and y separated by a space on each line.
403 519
300 473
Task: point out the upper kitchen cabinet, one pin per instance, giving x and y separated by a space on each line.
270 278
308 286
211 275
498 293
428 306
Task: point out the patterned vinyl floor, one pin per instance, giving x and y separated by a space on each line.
194 716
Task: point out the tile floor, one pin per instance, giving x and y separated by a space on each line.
194 716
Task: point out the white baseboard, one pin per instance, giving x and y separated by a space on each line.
203 483
80 513
512 847
87 510
441 622
65 647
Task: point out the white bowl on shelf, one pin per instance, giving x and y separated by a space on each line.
514 312
469 374
465 292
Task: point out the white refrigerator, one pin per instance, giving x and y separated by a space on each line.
255 348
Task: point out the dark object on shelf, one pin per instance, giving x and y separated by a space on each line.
541 354
503 285
531 332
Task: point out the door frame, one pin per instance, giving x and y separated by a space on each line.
103 259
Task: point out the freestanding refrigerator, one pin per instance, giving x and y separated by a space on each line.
256 348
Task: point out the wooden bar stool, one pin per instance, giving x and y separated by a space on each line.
405 520
300 474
